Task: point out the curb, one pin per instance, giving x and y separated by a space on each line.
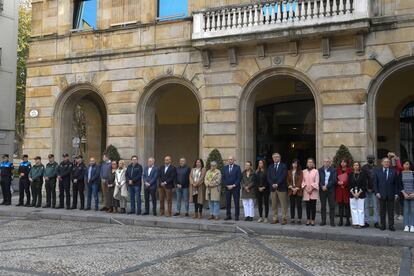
319 233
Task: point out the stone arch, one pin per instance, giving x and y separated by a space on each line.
396 66
146 113
95 101
247 103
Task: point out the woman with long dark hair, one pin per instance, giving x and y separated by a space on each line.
294 179
262 191
197 187
342 192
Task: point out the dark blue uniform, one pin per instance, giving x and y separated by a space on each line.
6 173
24 183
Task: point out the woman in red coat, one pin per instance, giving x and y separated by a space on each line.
342 192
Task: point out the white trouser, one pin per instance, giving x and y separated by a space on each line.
357 211
248 206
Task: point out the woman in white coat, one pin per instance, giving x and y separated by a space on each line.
121 189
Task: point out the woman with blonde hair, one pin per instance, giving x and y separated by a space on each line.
197 187
248 184
212 181
121 189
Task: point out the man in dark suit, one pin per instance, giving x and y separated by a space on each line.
231 177
92 180
150 178
167 175
133 177
276 176
386 184
327 182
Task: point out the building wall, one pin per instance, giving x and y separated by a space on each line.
8 57
124 63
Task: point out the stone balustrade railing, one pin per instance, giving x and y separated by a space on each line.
275 14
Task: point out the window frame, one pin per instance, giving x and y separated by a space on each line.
173 17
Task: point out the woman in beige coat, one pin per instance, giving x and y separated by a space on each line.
121 189
213 190
197 187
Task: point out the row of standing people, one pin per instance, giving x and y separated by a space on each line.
353 189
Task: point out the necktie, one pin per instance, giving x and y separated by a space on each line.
276 166
230 169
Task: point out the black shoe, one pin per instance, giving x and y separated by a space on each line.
131 213
299 222
81 208
20 204
391 228
8 203
348 223
366 225
59 207
236 219
340 223
27 204
68 208
3 203
227 218
123 211
103 209
138 213
96 209
33 205
46 206
376 225
154 214
87 209
186 215
382 228
38 206
73 207
322 224
176 214
145 214
246 218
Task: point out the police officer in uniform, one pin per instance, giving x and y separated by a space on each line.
6 174
63 174
24 183
78 186
36 180
50 182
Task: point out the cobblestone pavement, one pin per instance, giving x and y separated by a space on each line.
46 247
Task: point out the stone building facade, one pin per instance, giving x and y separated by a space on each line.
8 60
246 77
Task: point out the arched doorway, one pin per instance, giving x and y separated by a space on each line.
169 121
80 122
394 107
279 115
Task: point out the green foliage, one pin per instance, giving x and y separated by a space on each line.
342 153
24 30
215 155
113 153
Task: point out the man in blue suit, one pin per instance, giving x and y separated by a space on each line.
276 176
150 178
92 180
231 177
386 187
327 183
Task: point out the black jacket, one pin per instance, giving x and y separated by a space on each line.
65 169
24 168
134 173
78 172
358 183
183 176
169 176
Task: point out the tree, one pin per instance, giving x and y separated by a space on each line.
113 153
342 153
24 31
215 155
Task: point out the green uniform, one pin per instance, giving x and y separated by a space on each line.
36 175
50 184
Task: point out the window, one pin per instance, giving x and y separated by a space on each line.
172 9
84 14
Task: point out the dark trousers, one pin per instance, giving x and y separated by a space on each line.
344 211
295 202
5 190
311 209
198 208
135 195
235 193
93 189
153 194
327 197
64 190
37 193
24 188
50 186
78 188
110 197
263 199
387 206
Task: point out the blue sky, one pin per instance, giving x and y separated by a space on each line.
172 7
89 12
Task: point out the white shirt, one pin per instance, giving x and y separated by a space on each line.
149 170
327 175
166 168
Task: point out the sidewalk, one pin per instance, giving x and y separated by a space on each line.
367 236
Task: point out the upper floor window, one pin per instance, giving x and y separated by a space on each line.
172 9
84 14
